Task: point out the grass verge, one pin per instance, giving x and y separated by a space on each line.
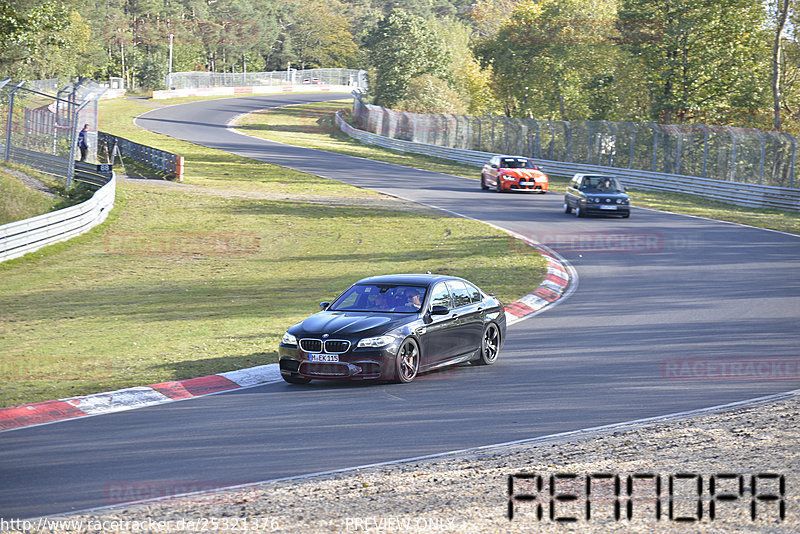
191 279
18 201
312 125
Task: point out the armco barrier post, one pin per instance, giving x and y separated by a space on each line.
10 121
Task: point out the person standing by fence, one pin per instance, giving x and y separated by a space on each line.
83 141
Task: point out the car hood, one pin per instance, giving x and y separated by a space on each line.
351 323
527 174
606 195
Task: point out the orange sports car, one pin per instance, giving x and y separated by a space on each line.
513 173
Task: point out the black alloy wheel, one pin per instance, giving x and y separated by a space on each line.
407 361
490 345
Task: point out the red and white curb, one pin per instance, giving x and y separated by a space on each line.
136 397
558 284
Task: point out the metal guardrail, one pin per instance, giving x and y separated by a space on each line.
57 166
93 175
759 196
20 237
160 160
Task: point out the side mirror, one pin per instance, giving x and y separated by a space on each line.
494 166
324 305
440 310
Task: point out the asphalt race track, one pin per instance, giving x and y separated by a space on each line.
655 291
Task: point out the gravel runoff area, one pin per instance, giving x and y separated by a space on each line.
468 492
30 181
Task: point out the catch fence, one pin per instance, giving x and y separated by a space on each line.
744 155
311 77
40 124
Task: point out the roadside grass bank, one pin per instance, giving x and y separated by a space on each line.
312 125
191 279
18 201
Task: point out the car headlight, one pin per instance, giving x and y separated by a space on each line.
375 342
289 339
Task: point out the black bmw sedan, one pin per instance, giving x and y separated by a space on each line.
393 327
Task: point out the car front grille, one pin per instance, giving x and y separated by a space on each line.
337 346
324 369
329 346
311 345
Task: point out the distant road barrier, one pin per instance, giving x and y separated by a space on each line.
752 195
20 237
160 160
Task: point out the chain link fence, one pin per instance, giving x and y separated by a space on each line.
40 124
203 80
744 155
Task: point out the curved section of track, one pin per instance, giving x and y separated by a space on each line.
656 290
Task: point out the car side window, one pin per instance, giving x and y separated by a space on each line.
461 296
474 293
440 296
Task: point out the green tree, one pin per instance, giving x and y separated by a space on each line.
466 76
42 40
552 59
704 56
401 47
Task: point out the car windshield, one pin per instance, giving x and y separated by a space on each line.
380 298
517 163
601 184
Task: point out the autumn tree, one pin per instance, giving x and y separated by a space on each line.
321 35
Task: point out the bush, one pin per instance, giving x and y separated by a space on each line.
428 94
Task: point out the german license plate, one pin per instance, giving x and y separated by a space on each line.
604 207
323 357
526 184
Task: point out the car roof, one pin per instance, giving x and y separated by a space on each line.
407 279
590 175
